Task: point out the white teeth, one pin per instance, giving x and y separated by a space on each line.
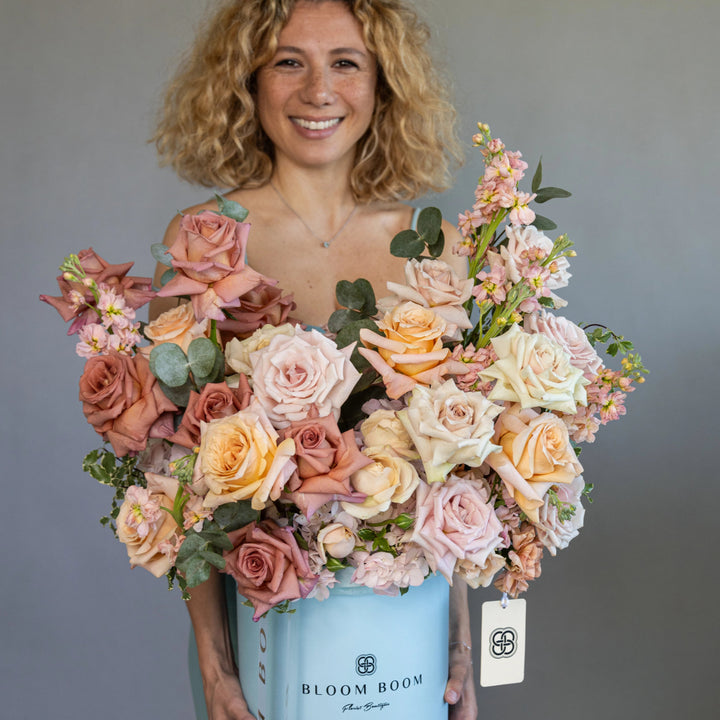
316 124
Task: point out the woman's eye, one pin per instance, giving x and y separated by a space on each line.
346 64
287 63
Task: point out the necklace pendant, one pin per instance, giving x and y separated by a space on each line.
326 244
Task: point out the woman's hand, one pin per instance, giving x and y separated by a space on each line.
225 701
460 688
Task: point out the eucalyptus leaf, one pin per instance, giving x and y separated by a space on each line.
547 302
161 254
537 177
169 364
202 357
349 295
217 537
213 558
340 318
196 571
351 333
429 224
167 276
192 544
366 289
543 223
231 209
549 193
233 516
180 396
407 244
436 249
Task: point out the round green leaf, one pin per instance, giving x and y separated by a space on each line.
349 295
169 364
202 356
407 244
340 318
167 276
231 209
429 224
543 223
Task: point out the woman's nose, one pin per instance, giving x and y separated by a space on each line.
318 89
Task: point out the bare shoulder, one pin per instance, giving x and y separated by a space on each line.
174 224
452 236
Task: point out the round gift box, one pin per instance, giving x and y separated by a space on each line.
355 654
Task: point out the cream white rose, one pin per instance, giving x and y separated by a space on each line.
448 427
294 376
389 479
555 534
536 372
336 540
383 428
237 352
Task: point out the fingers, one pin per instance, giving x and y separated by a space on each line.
459 671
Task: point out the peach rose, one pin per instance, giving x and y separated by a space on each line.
142 526
216 400
297 376
123 402
410 351
326 458
268 565
449 427
388 479
536 454
209 256
523 561
536 372
177 325
240 459
455 521
434 284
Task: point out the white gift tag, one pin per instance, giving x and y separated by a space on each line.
502 654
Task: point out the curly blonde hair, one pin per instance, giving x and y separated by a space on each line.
209 132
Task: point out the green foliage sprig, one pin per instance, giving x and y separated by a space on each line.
119 473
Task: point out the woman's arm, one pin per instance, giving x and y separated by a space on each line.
208 613
460 689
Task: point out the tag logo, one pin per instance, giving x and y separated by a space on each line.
503 643
365 664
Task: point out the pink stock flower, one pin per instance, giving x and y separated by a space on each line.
209 256
475 361
268 565
114 312
492 284
144 510
583 425
94 340
520 213
613 407
523 561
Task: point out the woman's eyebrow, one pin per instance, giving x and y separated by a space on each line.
335 51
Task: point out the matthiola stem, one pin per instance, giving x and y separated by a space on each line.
178 506
504 313
213 333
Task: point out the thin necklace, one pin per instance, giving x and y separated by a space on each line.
324 243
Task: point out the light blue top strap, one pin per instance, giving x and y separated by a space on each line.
415 216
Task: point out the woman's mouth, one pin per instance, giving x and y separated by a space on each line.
316 124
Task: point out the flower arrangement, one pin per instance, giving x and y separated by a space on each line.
432 431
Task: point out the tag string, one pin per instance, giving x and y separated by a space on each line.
504 601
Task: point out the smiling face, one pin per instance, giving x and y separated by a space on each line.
315 98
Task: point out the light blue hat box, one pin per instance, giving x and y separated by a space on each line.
355 654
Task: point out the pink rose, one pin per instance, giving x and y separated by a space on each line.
434 284
209 256
268 565
570 337
298 375
455 521
325 460
216 400
135 291
123 402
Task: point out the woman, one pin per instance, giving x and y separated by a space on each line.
324 115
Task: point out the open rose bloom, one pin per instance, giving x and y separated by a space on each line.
439 434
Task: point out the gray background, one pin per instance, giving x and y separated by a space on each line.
621 100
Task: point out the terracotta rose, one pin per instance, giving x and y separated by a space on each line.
123 401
